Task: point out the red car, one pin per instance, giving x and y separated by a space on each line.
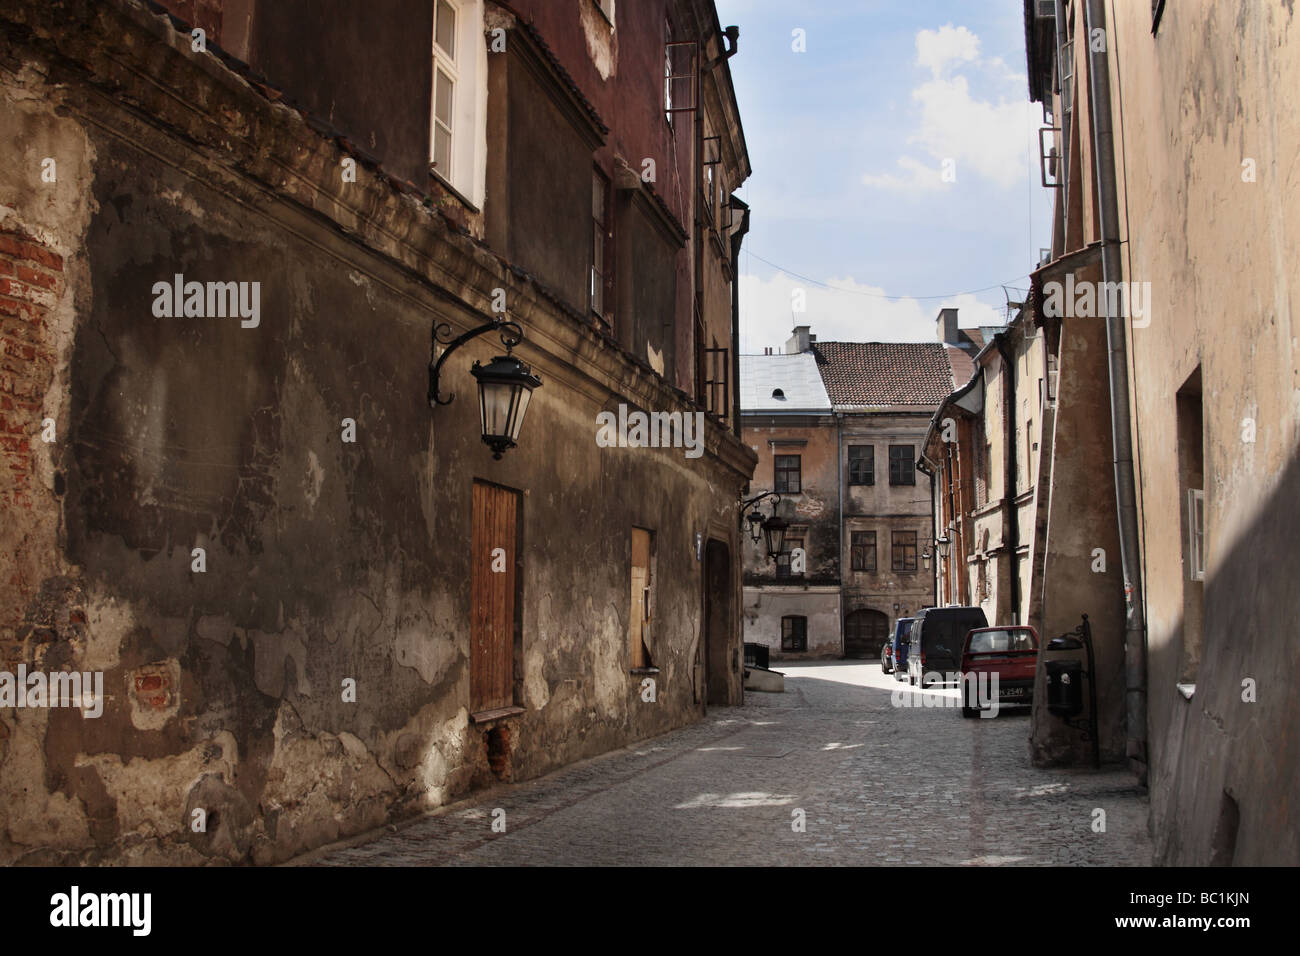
1010 652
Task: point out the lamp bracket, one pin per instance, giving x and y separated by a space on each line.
511 335
747 504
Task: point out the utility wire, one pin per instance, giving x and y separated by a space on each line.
881 295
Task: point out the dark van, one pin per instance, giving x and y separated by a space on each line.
938 635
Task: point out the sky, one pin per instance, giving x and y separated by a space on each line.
850 140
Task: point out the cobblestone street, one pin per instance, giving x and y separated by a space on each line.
878 784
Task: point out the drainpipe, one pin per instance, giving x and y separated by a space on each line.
924 466
839 480
1103 145
736 238
1011 476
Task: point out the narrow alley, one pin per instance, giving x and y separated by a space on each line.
878 784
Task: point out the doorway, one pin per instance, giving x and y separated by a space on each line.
865 633
717 623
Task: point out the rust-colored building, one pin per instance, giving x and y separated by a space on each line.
316 600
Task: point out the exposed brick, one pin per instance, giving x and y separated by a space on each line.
12 246
32 277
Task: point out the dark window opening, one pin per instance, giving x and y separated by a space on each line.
902 465
863 550
600 235
794 633
903 551
787 474
783 569
862 465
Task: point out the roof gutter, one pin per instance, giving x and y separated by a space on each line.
1103 144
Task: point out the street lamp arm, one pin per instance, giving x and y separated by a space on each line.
511 335
747 503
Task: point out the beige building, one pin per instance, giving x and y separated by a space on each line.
1173 146
984 446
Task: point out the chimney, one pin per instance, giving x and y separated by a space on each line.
799 340
946 326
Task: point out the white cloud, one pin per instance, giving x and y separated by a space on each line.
981 137
835 314
939 49
987 137
918 177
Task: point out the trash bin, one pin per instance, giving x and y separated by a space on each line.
1064 687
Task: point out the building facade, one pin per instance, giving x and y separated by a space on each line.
985 448
845 467
314 599
1170 249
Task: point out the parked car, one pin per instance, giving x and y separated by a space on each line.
887 657
936 638
1011 653
898 647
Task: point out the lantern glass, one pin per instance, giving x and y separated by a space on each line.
504 389
942 545
774 529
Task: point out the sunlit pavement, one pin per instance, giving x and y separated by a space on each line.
871 783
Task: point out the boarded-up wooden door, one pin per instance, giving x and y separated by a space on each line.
492 629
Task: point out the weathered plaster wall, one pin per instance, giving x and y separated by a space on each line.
764 608
815 508
325 559
1078 580
1213 89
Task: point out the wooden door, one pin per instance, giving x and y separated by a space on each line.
865 633
492 628
640 604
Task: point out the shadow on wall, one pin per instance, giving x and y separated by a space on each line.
1225 766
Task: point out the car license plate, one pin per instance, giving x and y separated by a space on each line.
1014 692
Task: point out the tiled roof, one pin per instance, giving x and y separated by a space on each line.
962 362
795 375
891 373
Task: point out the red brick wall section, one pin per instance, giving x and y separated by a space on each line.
198 13
30 279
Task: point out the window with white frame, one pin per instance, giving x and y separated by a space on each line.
458 120
444 86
